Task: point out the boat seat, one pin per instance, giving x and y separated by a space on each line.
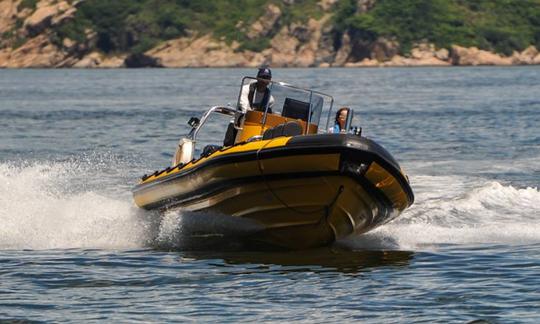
291 128
278 131
268 134
209 149
230 135
295 109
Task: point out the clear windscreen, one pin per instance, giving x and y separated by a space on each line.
213 132
297 103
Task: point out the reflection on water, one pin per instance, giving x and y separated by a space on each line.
315 260
210 236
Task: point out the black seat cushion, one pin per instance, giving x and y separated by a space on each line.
268 134
278 131
292 129
230 135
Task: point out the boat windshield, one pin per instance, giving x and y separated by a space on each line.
291 101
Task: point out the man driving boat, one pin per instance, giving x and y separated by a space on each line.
256 95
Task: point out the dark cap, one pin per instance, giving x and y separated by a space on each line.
264 73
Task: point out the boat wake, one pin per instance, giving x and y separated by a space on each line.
48 206
60 205
446 211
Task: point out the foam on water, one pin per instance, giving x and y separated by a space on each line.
39 210
447 211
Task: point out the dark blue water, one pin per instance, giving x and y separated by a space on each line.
74 247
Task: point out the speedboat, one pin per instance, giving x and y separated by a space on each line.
282 168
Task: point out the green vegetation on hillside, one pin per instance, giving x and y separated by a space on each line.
27 4
134 26
497 25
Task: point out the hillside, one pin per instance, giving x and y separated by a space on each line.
184 33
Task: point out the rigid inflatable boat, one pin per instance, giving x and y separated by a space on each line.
282 169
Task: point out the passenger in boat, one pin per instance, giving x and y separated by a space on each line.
256 95
341 120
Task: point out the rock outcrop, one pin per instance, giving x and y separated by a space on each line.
36 52
529 56
474 56
99 60
384 49
201 52
48 13
266 23
31 43
344 51
297 45
8 15
421 55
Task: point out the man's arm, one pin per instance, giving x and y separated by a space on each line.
244 105
271 102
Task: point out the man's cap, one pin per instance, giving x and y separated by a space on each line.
264 73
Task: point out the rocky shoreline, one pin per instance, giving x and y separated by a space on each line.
32 44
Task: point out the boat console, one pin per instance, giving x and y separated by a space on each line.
295 111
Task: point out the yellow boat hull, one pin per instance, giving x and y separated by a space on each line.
304 191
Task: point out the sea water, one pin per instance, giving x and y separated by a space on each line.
74 247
